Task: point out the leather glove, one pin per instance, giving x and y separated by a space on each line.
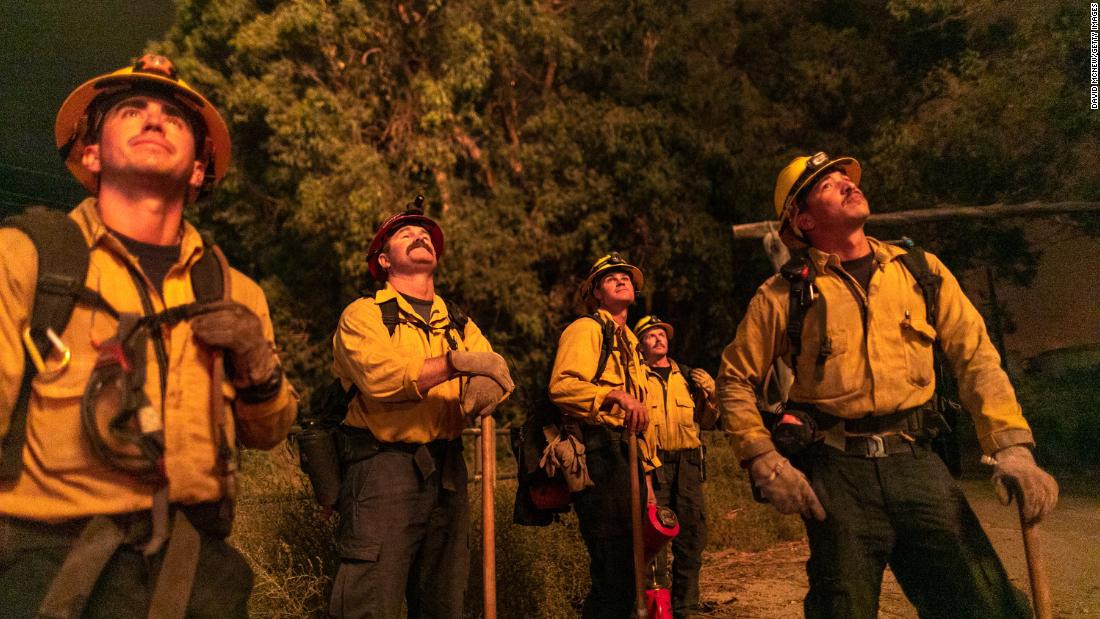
467 363
784 486
234 327
482 395
490 381
1015 469
704 380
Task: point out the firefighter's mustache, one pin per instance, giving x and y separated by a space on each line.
419 243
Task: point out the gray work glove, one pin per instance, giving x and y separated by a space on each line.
784 486
1015 469
234 327
490 381
704 380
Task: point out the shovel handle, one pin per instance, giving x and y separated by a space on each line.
1036 568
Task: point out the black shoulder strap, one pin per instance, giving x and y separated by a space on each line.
62 268
390 315
799 274
607 344
207 279
917 262
458 318
693 389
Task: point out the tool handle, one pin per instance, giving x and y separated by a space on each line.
636 526
1036 568
488 516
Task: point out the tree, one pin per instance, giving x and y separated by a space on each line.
547 133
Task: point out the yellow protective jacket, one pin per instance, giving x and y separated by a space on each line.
881 352
386 370
672 410
61 477
571 387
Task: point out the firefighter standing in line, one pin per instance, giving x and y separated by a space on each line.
607 401
404 518
679 406
143 143
868 485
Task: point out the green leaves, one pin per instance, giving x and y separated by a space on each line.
547 133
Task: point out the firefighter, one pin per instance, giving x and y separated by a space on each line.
681 402
421 369
606 392
856 319
120 426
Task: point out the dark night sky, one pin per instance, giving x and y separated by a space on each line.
50 47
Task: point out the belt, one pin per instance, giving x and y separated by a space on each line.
691 454
909 420
878 445
356 444
872 436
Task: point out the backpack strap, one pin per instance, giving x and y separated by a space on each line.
799 273
607 344
916 261
207 279
457 323
63 258
390 316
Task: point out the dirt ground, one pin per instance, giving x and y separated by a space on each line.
772 583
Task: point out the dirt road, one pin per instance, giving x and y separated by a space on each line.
772 583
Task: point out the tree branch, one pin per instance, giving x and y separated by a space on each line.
944 212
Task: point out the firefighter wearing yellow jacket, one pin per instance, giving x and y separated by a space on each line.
681 402
607 394
420 375
126 430
870 489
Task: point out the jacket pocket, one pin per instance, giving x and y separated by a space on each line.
685 411
824 370
918 337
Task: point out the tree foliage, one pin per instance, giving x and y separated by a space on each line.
546 133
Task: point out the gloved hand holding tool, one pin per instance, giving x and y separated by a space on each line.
784 486
1015 474
1015 469
230 325
490 381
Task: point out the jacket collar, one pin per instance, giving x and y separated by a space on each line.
388 293
86 215
884 253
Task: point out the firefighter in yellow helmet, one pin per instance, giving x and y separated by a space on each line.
131 370
681 402
857 319
599 379
420 369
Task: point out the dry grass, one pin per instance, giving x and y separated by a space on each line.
541 572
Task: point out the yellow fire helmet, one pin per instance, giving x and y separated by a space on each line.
652 322
611 262
80 114
800 175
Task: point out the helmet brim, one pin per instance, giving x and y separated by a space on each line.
70 131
